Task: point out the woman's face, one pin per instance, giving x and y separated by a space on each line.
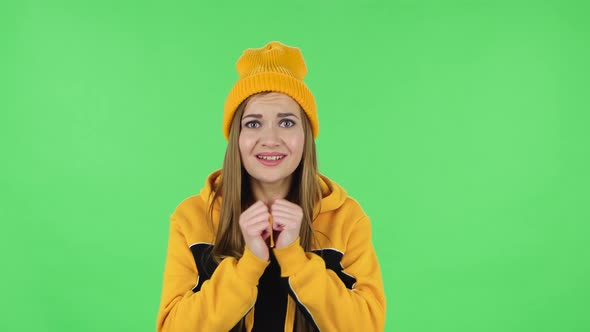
271 138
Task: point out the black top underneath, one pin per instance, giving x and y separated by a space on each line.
271 304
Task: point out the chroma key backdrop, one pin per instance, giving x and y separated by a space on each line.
462 128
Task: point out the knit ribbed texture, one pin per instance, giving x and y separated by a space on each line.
274 67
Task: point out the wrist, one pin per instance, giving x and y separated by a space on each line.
291 258
251 267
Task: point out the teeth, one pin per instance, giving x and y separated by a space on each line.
270 157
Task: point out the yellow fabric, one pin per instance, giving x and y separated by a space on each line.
231 292
274 67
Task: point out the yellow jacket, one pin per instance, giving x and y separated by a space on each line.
338 284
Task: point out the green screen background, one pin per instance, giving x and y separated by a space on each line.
462 128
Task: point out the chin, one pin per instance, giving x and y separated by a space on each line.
269 176
265 177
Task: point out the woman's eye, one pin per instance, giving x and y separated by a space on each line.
252 124
287 123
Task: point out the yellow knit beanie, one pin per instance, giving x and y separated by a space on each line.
274 67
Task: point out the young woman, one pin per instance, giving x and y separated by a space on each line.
270 244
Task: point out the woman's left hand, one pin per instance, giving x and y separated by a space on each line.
286 219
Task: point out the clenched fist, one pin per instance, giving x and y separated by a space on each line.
286 219
255 227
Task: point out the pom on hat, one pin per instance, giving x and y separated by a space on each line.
274 67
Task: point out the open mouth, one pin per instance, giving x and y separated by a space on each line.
270 158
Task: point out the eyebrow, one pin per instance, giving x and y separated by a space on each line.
257 116
279 115
284 115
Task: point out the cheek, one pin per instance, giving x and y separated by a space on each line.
296 143
244 144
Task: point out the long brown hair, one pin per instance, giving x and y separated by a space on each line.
235 191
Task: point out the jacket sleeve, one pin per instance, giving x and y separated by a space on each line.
328 302
222 300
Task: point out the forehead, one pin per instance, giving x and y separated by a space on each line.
271 102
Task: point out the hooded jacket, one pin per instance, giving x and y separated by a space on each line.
338 284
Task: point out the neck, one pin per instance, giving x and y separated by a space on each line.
267 192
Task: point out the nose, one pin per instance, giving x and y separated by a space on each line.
270 136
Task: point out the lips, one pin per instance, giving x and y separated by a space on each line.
270 158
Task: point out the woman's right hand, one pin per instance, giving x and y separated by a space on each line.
255 227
